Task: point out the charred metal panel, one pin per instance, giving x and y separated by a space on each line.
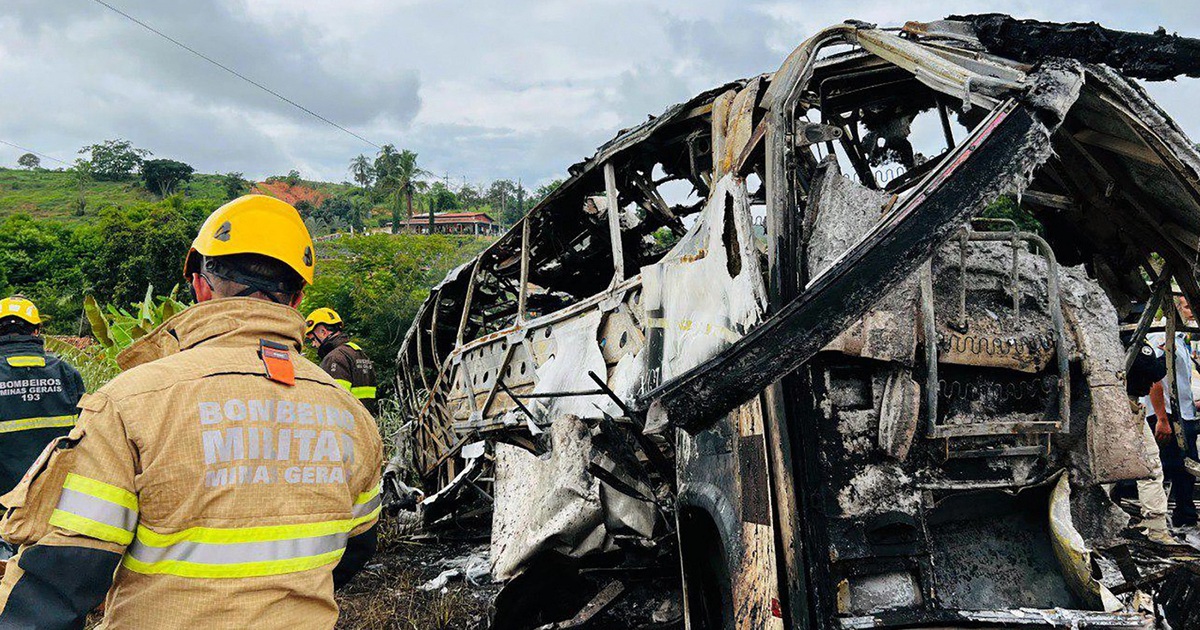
723 472
838 297
1157 56
752 473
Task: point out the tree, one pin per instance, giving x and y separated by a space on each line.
386 181
305 208
1007 207
502 196
81 176
235 185
470 197
141 245
363 171
163 176
114 160
520 200
360 207
339 211
442 198
113 255
29 161
293 177
396 173
544 191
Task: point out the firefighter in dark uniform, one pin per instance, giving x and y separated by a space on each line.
38 393
341 358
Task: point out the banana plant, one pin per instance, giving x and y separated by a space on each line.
117 328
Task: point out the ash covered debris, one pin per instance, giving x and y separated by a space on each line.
1157 56
764 359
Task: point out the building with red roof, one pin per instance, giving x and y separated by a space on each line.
477 223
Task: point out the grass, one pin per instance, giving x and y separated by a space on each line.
385 595
51 194
91 361
394 603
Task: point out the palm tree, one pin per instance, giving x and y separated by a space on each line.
407 172
359 208
362 170
396 174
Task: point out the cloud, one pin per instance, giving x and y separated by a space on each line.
480 89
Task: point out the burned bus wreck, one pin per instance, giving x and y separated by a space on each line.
769 349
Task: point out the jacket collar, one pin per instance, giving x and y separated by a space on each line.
224 322
332 342
18 344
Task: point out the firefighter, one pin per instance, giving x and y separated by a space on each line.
38 393
222 480
343 359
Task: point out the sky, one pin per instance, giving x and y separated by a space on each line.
480 89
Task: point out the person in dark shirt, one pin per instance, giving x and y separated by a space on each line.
1148 370
1144 381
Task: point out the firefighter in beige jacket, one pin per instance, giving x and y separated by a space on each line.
222 481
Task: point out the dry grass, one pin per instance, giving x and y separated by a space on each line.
398 604
387 598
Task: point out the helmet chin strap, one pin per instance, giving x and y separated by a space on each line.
252 284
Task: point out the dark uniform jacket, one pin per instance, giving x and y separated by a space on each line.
38 394
346 362
1148 368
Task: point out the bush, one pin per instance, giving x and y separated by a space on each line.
56 264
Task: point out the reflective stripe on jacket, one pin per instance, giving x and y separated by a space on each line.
228 497
38 394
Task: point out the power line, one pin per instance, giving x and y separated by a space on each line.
231 71
43 155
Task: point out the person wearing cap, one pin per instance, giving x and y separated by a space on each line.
222 480
343 359
1177 450
1143 384
38 393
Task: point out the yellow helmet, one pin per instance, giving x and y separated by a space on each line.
20 307
255 224
326 316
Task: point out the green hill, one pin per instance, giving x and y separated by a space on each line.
47 194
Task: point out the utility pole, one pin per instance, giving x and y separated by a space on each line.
520 198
